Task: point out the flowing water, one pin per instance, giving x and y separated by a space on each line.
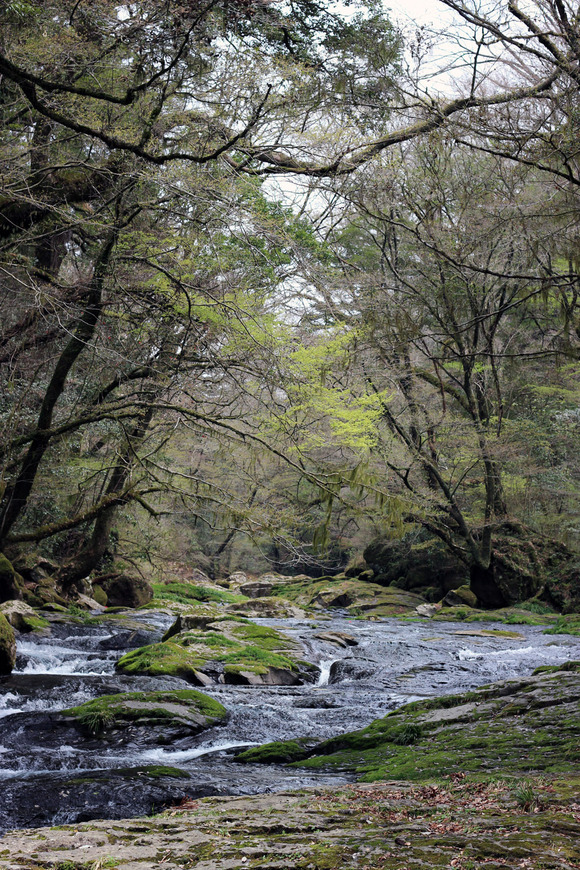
51 773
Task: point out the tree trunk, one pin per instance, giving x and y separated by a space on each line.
16 495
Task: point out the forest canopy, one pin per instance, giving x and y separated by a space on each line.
277 280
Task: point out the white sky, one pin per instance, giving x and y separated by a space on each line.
418 11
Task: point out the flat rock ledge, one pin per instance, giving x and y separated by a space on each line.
380 825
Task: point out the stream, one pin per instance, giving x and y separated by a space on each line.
52 774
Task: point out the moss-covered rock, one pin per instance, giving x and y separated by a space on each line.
10 581
523 564
461 596
568 624
22 617
228 652
356 596
415 562
562 586
185 710
99 595
279 752
270 607
200 616
125 590
460 824
7 646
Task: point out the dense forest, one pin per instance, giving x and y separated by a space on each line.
282 285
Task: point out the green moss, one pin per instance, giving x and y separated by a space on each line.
157 770
99 595
520 615
35 623
7 645
257 660
161 659
110 711
514 728
185 593
190 651
554 669
278 752
569 624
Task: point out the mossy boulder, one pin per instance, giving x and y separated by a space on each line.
226 652
99 595
461 596
369 599
562 586
22 617
356 596
181 711
200 616
7 646
279 751
524 565
256 588
416 562
10 581
125 590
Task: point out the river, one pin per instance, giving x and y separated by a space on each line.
52 774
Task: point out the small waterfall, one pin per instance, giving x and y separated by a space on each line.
325 668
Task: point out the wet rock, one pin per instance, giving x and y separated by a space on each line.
269 677
128 638
347 669
340 638
7 646
232 650
175 712
70 799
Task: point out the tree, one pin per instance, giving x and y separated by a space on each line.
137 261
455 299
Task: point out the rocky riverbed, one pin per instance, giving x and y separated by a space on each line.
130 712
496 804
